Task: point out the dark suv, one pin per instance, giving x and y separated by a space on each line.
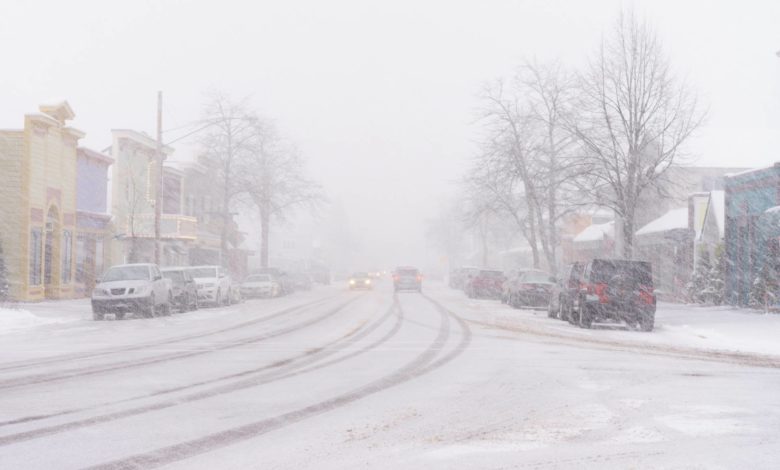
407 278
563 300
617 290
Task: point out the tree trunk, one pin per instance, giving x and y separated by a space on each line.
265 219
628 236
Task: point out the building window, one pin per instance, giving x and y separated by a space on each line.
36 237
81 257
67 256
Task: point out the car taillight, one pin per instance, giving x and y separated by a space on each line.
646 296
601 292
419 278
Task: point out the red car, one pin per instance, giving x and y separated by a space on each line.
485 284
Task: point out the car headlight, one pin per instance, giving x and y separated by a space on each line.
142 290
352 281
368 281
99 292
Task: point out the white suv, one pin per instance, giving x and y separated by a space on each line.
137 288
214 284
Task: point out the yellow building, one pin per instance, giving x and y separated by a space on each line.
38 204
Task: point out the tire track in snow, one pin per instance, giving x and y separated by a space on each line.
288 367
422 364
27 364
124 365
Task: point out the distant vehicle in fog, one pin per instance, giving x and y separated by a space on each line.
459 277
486 283
183 287
360 280
132 288
259 285
286 282
407 278
302 281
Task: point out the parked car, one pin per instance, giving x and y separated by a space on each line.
360 280
459 278
132 288
183 288
302 281
511 280
487 284
617 290
260 285
214 284
565 293
532 289
407 278
286 282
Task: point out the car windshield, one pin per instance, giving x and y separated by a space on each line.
258 278
407 272
203 272
491 274
177 276
536 276
126 273
360 275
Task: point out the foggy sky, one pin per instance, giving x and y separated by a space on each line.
380 97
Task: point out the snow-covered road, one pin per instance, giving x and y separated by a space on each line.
332 379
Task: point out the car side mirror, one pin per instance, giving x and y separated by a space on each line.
157 277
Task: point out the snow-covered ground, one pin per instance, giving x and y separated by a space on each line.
332 379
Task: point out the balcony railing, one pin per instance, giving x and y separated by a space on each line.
172 226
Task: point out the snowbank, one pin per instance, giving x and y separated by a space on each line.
16 319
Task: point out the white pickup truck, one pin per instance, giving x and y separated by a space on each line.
135 288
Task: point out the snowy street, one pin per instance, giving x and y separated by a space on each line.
337 379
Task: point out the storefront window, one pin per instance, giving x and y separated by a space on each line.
67 255
35 256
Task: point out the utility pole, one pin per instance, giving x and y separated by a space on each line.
158 198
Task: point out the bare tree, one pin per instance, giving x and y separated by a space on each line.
273 179
634 118
507 170
548 90
229 137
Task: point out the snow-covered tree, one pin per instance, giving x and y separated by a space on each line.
765 287
4 286
697 287
715 290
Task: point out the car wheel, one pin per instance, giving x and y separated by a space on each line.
647 322
167 306
585 318
551 313
218 300
119 315
195 305
97 316
151 309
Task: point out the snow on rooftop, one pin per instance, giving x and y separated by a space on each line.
718 209
748 171
596 232
674 219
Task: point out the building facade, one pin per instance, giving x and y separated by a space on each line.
38 204
133 194
94 230
752 228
